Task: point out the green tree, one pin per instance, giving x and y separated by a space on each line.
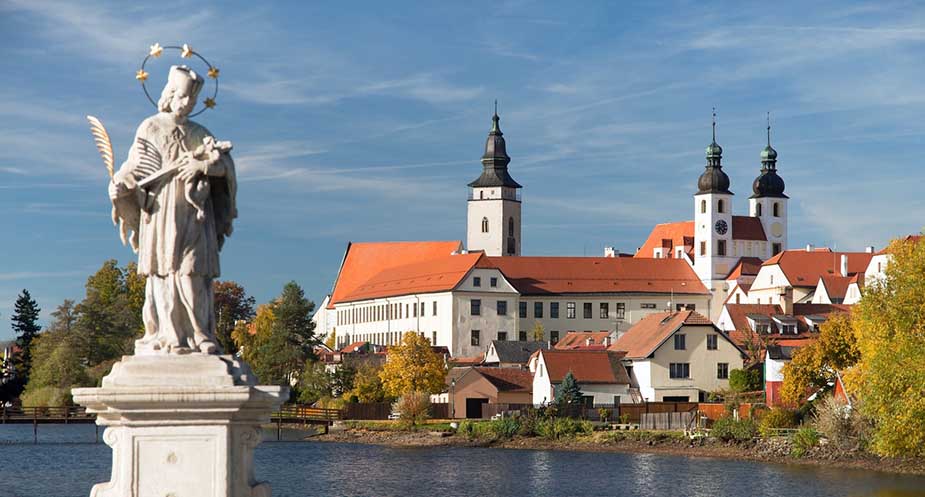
889 377
314 382
539 334
367 385
26 327
413 366
55 367
232 304
568 393
64 318
744 380
813 366
109 317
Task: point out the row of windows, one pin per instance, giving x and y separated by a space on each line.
492 282
384 338
384 312
475 306
721 207
510 225
680 342
682 370
475 337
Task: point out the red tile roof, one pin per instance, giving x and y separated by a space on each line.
363 260
747 228
577 339
803 269
353 347
435 275
650 333
508 379
587 366
836 286
668 236
738 313
747 266
570 275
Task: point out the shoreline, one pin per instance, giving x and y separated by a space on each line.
766 451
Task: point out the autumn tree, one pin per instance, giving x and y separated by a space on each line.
412 366
367 385
232 304
813 367
889 377
539 334
331 340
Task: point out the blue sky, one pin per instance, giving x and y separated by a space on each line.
362 121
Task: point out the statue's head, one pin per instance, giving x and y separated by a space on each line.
180 92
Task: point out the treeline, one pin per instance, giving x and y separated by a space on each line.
83 340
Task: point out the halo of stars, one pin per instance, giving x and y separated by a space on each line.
155 51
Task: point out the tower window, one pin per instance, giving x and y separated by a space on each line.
758 210
775 248
703 206
776 209
721 247
703 248
511 245
720 206
510 226
484 225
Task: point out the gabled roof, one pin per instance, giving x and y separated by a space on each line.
434 275
747 228
650 332
747 266
516 352
508 379
803 269
578 339
571 275
353 347
739 314
363 260
668 236
836 286
587 366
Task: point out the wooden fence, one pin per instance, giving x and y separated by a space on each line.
666 420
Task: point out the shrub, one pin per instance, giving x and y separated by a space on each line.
412 408
833 419
625 419
556 428
727 429
604 413
46 397
504 428
776 418
744 380
803 440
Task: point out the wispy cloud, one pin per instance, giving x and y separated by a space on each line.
32 275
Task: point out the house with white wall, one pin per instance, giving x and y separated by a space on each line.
599 373
678 356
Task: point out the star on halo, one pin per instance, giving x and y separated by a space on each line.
156 50
209 103
141 75
213 72
187 51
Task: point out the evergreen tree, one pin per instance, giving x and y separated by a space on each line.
568 394
25 326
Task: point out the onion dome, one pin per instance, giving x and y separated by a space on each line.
714 179
768 183
495 159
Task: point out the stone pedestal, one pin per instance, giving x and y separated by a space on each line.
181 426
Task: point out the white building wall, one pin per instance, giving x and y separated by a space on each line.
769 285
498 205
773 369
876 270
542 387
775 227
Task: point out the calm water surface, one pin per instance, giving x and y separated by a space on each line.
67 461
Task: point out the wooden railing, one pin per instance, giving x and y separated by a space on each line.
300 413
66 415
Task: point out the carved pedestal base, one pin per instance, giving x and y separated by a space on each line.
181 426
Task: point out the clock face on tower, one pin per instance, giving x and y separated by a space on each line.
721 227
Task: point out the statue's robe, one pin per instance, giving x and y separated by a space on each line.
177 228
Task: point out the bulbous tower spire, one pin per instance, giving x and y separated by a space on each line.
495 159
714 179
768 183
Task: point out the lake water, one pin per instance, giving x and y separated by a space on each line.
67 462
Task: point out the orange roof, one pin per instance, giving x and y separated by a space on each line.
738 313
363 260
434 275
668 236
747 228
803 269
353 347
747 266
577 339
508 379
568 275
836 286
650 332
587 366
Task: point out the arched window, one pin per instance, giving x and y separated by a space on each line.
776 209
719 206
510 226
758 209
481 195
484 225
703 206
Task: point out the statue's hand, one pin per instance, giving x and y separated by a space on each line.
117 189
195 165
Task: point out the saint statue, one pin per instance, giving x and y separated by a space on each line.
176 195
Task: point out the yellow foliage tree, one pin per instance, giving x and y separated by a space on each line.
250 336
889 378
813 366
331 341
412 366
539 334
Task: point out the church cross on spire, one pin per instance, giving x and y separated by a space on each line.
714 124
769 129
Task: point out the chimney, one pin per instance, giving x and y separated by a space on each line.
609 252
786 301
844 265
809 247
869 249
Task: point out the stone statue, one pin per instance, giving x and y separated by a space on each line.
176 194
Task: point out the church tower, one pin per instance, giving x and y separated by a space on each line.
768 203
494 201
713 220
